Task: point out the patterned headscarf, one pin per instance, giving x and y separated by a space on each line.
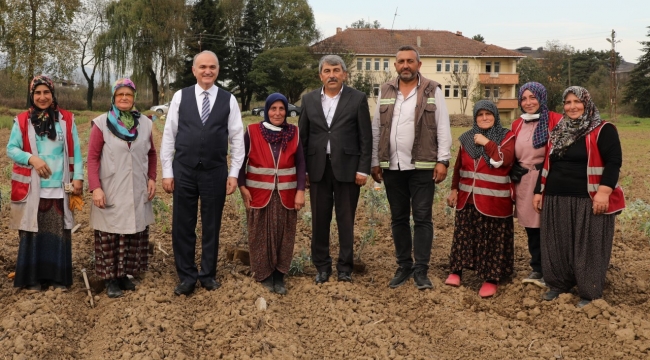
496 133
277 134
569 131
540 136
43 119
123 124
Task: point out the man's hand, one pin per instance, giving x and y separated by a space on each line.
360 179
300 199
246 196
99 199
151 189
231 185
537 203
40 166
439 173
377 174
168 185
78 187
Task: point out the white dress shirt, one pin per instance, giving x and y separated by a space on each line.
329 108
235 131
402 132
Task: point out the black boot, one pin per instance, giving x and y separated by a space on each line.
125 283
113 289
278 283
268 283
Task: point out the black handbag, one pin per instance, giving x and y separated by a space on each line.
517 172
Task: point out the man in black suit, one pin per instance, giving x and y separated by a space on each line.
336 134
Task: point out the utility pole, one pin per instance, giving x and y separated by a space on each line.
612 80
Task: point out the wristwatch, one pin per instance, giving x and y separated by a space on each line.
444 162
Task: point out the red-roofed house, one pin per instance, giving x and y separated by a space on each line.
491 71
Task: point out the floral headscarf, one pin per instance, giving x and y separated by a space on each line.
569 131
540 136
123 124
43 119
496 133
277 134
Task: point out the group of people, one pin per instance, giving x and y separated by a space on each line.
567 209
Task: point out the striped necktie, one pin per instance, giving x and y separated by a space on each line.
205 110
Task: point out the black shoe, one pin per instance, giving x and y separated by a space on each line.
279 287
36 287
583 303
268 283
401 275
184 288
113 289
210 284
345 276
125 283
323 277
421 280
551 295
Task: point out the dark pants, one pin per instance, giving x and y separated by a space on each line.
411 190
324 195
190 184
534 238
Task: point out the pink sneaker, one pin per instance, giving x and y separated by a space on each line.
487 290
453 280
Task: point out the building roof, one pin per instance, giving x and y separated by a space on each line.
625 67
430 43
537 54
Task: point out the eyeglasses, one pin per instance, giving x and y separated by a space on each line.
126 95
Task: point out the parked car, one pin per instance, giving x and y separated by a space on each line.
160 109
293 110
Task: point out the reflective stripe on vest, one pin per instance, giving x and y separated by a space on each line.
271 171
287 185
384 164
20 178
425 165
484 191
260 184
595 170
486 177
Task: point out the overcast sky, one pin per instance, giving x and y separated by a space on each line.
509 24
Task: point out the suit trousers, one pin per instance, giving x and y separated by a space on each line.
190 184
406 190
343 196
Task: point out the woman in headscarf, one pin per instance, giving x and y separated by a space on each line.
482 194
44 146
581 197
531 130
122 179
272 185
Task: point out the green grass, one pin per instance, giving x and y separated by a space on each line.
628 120
6 121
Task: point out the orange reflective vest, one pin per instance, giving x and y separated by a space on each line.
595 168
490 188
262 174
21 174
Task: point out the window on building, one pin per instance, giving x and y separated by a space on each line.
463 91
456 66
455 91
488 66
497 66
386 66
465 66
375 89
359 64
377 64
439 66
447 65
368 63
447 90
488 91
495 92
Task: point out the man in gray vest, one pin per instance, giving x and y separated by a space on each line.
202 120
411 152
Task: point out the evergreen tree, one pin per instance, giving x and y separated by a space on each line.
205 32
637 91
247 47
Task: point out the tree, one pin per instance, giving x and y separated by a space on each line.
362 24
247 47
288 71
144 39
205 32
637 91
89 23
465 83
361 81
36 36
530 70
478 37
555 66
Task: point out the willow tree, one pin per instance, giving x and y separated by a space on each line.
145 38
36 36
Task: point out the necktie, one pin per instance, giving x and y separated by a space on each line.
205 110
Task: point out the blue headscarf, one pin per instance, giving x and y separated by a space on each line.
540 136
123 124
277 134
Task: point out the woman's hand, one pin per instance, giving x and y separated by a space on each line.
601 200
452 199
537 203
246 196
78 187
99 199
480 140
151 188
299 199
40 166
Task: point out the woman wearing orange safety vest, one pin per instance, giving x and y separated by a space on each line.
581 198
483 196
272 185
44 147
